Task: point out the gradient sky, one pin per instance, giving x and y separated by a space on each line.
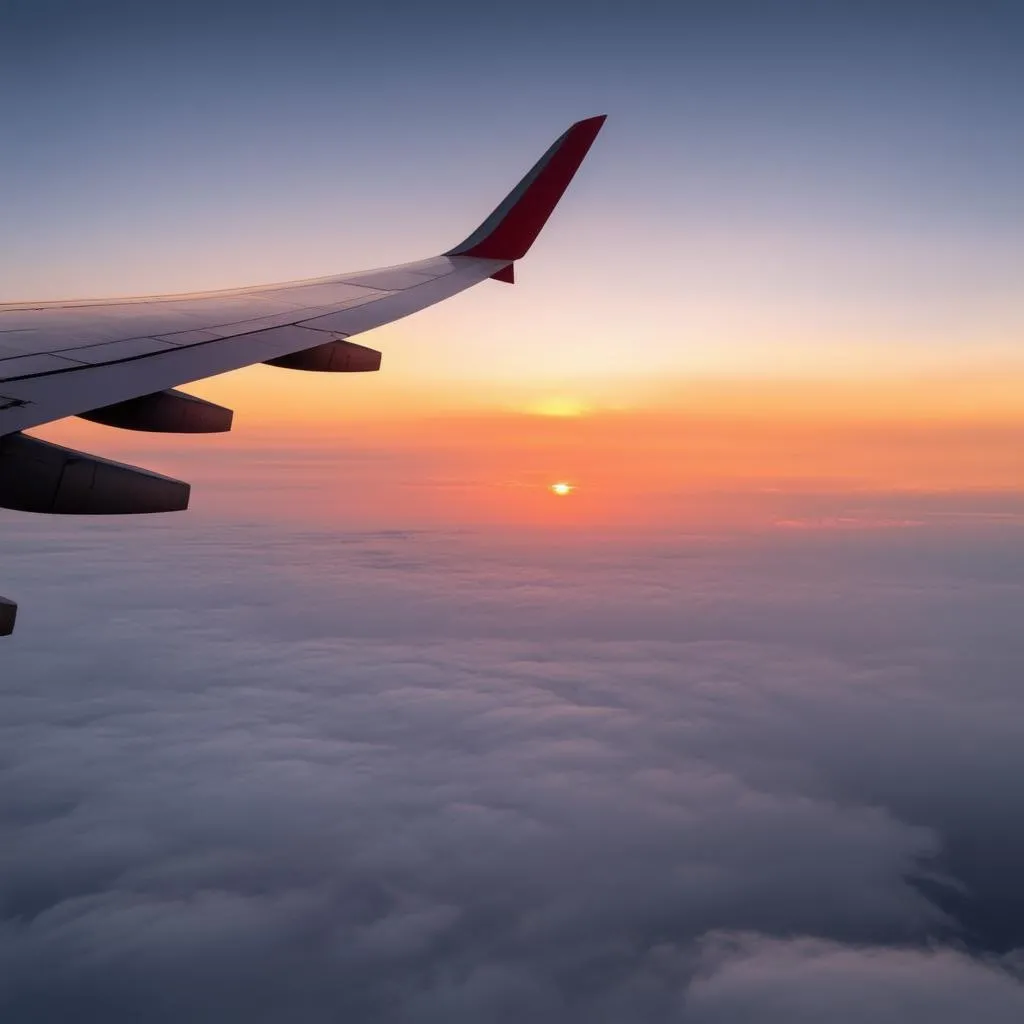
383 730
782 189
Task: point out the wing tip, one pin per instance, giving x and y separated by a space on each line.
511 229
596 121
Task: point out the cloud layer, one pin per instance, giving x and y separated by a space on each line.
455 776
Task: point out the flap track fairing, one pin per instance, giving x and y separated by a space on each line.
165 412
36 476
333 357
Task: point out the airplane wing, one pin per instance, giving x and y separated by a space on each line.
120 361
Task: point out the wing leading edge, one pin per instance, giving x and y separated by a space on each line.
119 361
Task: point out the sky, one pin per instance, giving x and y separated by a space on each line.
382 729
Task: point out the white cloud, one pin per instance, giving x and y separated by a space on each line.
409 778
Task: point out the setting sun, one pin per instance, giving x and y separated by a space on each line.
562 489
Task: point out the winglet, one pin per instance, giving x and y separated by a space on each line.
512 228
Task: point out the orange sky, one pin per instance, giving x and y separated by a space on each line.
701 452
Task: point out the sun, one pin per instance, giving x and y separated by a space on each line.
562 488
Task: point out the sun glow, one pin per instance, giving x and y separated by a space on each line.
562 489
558 406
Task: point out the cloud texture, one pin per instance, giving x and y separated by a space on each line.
413 777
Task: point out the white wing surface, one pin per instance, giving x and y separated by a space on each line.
69 358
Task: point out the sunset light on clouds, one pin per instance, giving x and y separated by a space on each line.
642 643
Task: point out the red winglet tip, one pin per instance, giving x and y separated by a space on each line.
512 228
